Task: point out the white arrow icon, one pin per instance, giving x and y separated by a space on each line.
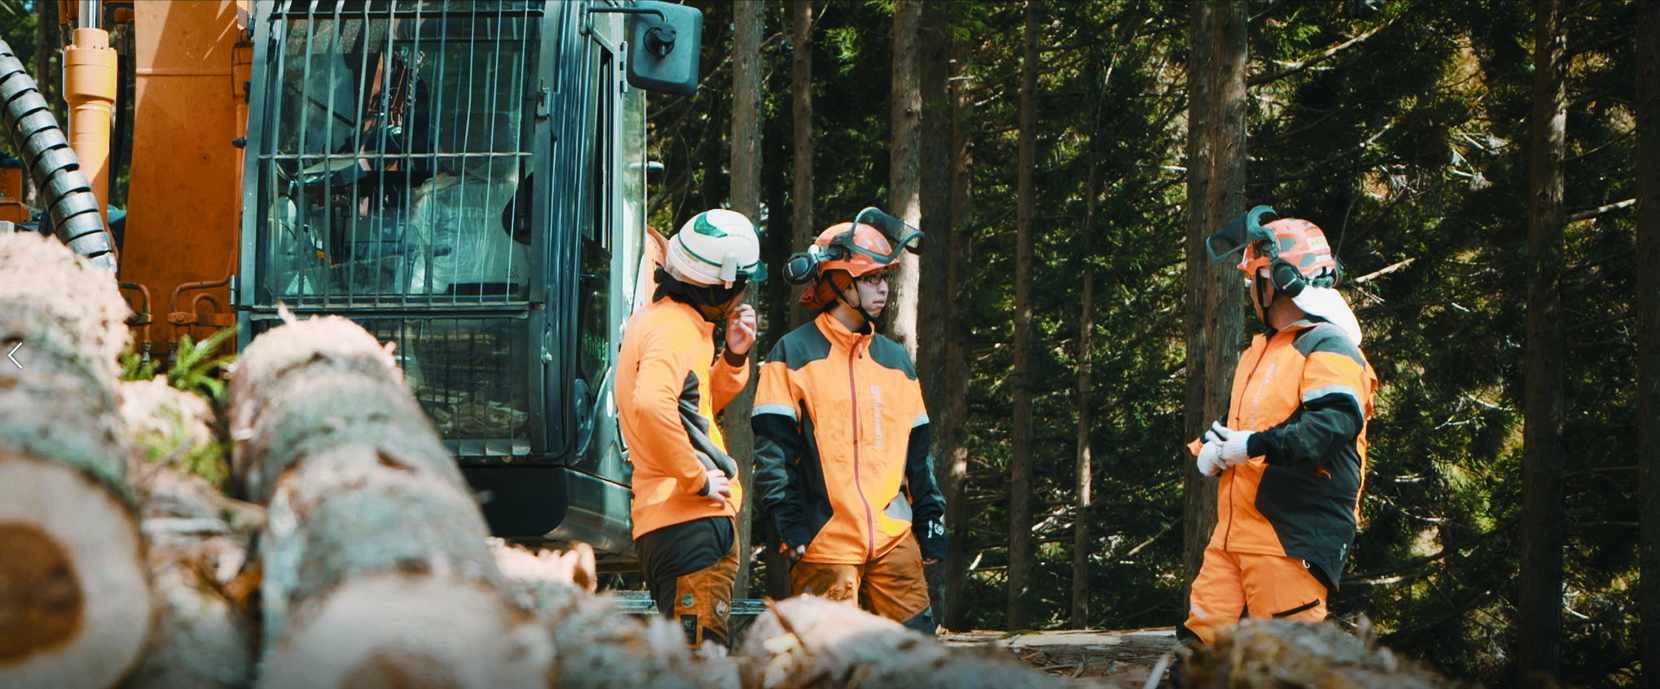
14 351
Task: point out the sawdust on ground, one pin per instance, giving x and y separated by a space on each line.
1110 658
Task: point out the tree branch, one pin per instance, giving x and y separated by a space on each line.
1296 67
1599 210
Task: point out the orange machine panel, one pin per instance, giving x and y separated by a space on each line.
184 192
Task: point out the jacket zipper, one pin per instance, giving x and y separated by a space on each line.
1227 536
858 478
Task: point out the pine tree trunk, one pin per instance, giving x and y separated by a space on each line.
375 566
801 111
1647 159
952 468
1539 604
936 182
1215 195
1020 462
1086 331
76 608
904 181
749 22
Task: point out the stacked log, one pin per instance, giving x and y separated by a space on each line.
1267 654
808 641
198 545
75 603
595 645
376 571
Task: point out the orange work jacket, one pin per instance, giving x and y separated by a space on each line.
1307 393
668 392
842 460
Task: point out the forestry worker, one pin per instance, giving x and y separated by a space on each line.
842 460
670 384
1292 455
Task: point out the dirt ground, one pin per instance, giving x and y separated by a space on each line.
1097 658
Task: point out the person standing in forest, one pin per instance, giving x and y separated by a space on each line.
1292 455
841 434
669 386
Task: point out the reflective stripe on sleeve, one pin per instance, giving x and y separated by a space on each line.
779 409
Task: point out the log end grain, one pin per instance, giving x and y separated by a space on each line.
76 607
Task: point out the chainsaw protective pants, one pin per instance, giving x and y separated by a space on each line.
891 585
1233 585
690 568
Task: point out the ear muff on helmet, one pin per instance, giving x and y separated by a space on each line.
1287 279
803 267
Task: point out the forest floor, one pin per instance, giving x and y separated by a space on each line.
1121 658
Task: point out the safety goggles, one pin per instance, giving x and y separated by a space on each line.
1242 232
900 236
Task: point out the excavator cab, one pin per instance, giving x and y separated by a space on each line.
466 180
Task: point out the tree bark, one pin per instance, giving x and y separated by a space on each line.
1215 195
328 437
904 180
1539 604
932 290
1647 159
801 112
953 470
1086 331
76 607
749 22
1020 462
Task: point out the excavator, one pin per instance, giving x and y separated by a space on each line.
466 180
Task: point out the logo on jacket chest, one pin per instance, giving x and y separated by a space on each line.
1262 386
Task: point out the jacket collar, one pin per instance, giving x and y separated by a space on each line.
690 312
839 335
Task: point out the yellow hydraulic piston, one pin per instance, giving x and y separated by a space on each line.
89 78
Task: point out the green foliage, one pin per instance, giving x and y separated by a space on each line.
173 436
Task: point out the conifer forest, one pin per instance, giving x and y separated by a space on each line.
1485 172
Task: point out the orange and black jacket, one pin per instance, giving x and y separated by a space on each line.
841 446
668 392
1307 392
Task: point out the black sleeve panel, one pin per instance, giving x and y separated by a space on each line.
927 503
778 487
1312 434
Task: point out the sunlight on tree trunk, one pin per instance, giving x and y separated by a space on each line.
1215 195
750 21
932 289
904 192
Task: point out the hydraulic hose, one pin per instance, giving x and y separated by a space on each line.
72 209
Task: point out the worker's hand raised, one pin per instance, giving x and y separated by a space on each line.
720 487
740 330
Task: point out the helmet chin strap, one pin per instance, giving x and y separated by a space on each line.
1259 285
859 307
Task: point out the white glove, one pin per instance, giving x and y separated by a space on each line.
1210 458
1231 443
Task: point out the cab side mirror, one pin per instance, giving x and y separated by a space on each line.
664 47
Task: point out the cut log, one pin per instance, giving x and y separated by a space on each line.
75 604
595 645
808 641
376 571
1280 653
197 553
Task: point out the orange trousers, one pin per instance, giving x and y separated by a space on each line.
891 585
1234 585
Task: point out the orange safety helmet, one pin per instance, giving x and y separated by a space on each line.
1294 251
872 242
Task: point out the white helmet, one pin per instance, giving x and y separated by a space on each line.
716 247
